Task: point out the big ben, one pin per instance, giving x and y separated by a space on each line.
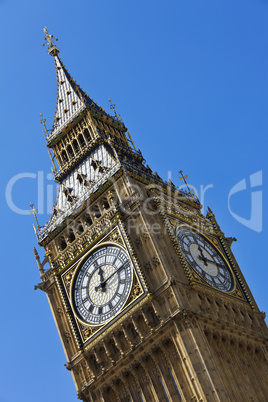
148 299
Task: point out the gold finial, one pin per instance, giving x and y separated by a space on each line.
34 212
184 179
112 106
118 116
52 48
43 121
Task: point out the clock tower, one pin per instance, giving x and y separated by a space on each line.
148 299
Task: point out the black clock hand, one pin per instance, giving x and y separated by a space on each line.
202 257
103 284
101 272
216 263
212 262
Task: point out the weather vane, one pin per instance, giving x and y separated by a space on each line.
52 48
184 179
34 212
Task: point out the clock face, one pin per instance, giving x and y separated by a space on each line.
102 284
205 259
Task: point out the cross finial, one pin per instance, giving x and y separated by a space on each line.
184 177
112 106
34 212
43 121
118 116
52 48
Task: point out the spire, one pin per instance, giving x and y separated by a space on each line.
71 99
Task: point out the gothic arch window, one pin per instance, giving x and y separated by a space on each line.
96 211
87 135
81 140
80 228
62 244
95 364
105 203
115 349
76 146
134 333
64 156
71 236
88 220
70 151
154 317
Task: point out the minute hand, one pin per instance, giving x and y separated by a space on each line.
102 284
212 262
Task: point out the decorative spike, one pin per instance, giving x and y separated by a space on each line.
40 266
43 121
34 212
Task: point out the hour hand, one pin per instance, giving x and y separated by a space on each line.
100 272
202 257
216 263
102 281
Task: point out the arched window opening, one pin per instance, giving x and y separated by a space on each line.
87 135
62 243
154 317
64 156
70 151
134 333
105 204
71 236
115 348
76 146
97 212
81 140
80 228
88 220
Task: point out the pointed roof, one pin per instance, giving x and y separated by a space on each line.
71 99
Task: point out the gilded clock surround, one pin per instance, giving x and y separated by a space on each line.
214 269
138 292
177 338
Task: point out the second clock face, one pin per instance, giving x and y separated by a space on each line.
205 259
102 285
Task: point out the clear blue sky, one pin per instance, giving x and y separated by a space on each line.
190 79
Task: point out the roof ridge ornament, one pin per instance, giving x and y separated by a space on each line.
52 48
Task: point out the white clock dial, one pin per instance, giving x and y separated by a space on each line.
205 259
102 285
